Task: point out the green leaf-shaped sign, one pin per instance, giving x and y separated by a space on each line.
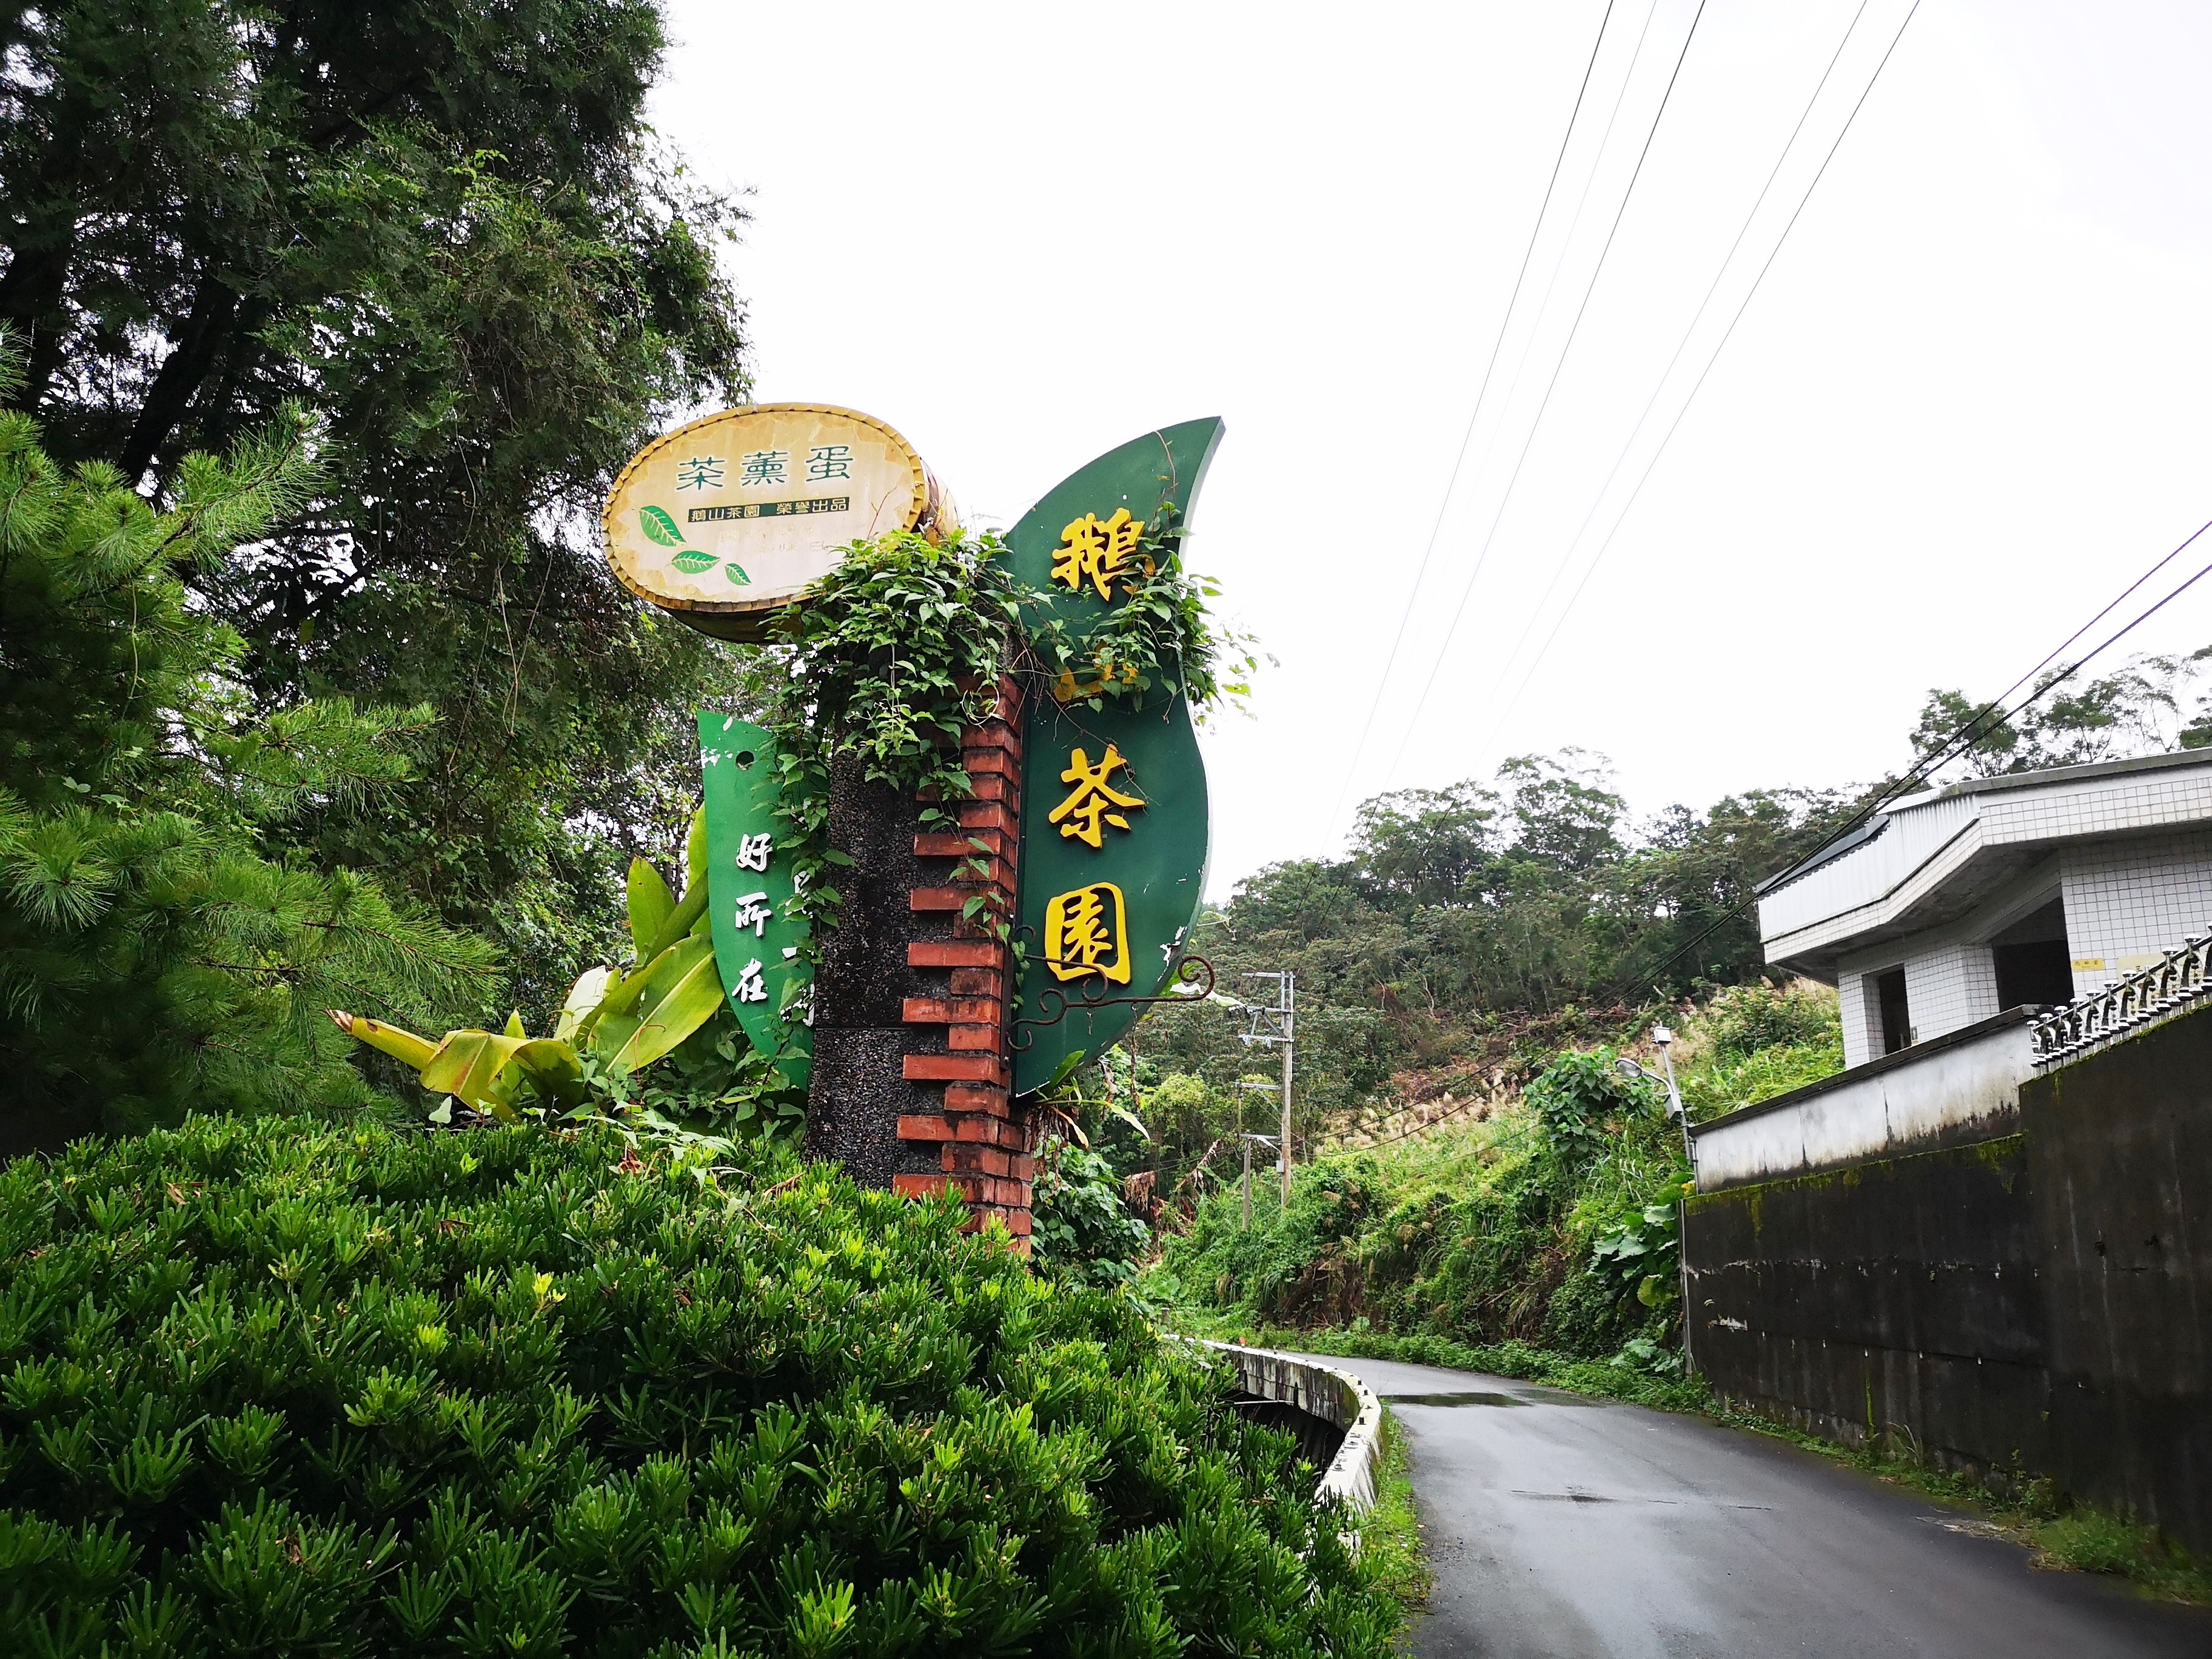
691 561
1114 800
659 526
758 944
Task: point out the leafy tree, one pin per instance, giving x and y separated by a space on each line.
1426 847
159 949
2144 707
444 229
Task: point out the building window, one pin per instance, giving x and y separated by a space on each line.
2034 967
1896 1015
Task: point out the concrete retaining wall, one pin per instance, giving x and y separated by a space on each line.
1948 1091
1322 1391
2038 1303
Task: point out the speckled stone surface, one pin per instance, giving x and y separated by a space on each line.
859 1090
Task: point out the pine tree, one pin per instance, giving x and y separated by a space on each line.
156 953
444 229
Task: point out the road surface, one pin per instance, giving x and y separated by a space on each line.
1564 1528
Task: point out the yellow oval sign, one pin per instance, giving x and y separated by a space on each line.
725 519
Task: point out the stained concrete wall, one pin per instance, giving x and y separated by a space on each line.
2036 1303
1963 1086
2121 1177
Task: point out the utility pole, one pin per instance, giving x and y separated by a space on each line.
1277 1026
1264 1140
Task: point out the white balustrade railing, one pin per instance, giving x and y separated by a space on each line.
2125 1005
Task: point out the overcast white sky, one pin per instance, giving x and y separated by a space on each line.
1966 406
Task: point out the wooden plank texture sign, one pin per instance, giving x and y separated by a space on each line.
1114 801
722 521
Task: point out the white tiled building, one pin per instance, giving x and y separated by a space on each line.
1941 922
1952 905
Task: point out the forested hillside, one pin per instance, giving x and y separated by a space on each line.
1471 1164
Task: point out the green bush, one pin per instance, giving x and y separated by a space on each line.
1080 1228
301 1390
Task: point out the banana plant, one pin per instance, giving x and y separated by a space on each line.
624 1018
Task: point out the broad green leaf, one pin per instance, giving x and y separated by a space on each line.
401 1044
659 526
736 572
691 561
650 905
515 1024
683 920
679 994
694 852
583 996
554 1069
467 1067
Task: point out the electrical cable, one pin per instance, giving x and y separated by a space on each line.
1962 736
1620 519
1971 730
1566 559
1451 482
1465 592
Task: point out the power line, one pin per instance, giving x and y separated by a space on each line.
1465 592
1451 482
1675 424
1536 614
1971 730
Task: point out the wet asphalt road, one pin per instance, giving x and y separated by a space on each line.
1562 1527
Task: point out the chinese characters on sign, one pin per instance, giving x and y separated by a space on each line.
769 509
699 473
752 988
766 466
1086 932
1089 806
1093 552
826 461
754 912
753 851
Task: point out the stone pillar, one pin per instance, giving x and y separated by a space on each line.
913 1074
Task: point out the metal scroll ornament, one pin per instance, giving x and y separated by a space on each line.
1193 981
1113 798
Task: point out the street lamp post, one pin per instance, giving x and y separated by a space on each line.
1664 1038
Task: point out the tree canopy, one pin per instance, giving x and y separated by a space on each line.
444 231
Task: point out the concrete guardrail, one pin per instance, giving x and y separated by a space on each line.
1333 1395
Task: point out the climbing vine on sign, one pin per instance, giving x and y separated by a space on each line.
900 650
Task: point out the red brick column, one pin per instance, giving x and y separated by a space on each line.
982 1140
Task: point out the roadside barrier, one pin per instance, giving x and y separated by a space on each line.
1333 1395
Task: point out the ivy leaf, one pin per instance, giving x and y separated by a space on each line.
659 526
691 561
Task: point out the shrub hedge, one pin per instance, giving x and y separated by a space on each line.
282 1390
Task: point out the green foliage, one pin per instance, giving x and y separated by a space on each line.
898 651
1756 1041
1551 1220
1081 1230
159 950
1391 1546
519 1393
1583 1100
1160 636
446 233
901 648
2148 705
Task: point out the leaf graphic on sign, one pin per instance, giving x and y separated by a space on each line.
659 526
691 561
736 572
